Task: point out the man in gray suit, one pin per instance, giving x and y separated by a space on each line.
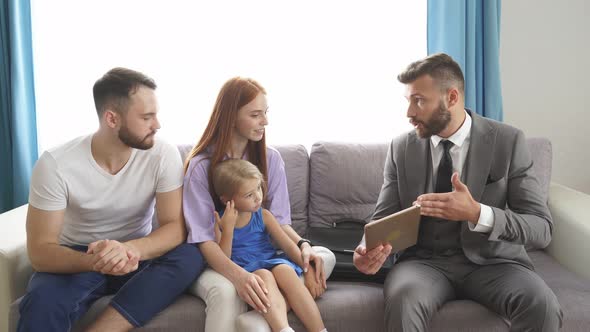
481 204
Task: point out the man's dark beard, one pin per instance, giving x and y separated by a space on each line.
133 141
437 122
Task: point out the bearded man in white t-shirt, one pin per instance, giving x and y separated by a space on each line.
89 223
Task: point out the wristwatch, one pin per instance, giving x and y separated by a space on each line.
302 241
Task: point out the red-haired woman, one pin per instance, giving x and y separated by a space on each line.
236 130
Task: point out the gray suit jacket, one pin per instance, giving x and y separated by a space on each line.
498 173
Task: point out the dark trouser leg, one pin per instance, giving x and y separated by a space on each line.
414 290
158 283
517 293
53 302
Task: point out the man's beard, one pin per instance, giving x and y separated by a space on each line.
133 141
437 122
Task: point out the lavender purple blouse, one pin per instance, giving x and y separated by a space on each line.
198 206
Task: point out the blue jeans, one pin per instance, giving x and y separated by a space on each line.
54 302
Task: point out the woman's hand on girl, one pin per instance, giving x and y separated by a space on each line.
308 255
252 290
316 289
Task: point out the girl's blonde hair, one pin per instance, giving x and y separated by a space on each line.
229 175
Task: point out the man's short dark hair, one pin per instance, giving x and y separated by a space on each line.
440 66
116 86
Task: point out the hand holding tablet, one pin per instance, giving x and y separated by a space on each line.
399 229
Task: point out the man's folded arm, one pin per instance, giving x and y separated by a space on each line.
45 252
172 230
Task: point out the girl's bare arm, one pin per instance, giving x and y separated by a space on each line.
281 238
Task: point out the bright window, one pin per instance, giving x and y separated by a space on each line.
329 67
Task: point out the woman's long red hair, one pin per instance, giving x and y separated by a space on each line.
234 94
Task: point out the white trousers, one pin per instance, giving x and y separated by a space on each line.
226 311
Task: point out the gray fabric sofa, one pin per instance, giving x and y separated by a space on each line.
342 181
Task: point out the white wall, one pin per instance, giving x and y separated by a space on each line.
544 54
328 66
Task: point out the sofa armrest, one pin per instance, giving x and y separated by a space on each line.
15 268
570 244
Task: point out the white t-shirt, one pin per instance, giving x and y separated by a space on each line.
99 205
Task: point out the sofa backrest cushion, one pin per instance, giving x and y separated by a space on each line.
297 168
345 179
341 181
184 150
542 154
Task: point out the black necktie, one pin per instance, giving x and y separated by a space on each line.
445 170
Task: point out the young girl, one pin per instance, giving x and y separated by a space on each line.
236 130
244 232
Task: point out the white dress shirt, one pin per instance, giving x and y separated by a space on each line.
458 153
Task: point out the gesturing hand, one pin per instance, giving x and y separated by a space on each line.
252 290
457 205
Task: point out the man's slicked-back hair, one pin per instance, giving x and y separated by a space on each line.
115 87
441 67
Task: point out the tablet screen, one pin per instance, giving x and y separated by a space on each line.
400 229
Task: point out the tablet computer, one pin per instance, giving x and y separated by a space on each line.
399 229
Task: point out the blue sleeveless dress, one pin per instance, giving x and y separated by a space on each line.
252 248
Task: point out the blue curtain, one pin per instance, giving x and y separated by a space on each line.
18 125
469 31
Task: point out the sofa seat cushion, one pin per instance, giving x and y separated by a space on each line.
572 291
363 304
359 306
465 315
349 306
187 313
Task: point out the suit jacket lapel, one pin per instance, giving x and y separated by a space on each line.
480 155
416 167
